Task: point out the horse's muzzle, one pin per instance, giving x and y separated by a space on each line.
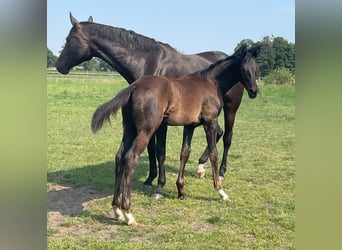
62 70
252 93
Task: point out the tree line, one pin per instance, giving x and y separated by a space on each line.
276 60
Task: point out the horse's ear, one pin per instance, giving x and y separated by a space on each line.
243 50
74 21
90 19
255 51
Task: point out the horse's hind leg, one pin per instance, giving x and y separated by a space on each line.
130 162
160 150
128 137
116 203
205 156
210 128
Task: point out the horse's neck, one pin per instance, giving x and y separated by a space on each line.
128 61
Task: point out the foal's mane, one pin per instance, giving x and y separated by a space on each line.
126 38
216 67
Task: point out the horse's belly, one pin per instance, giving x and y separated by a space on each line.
182 118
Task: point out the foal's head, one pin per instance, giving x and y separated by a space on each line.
249 69
76 49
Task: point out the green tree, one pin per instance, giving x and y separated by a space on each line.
266 57
248 42
91 65
103 66
282 50
51 58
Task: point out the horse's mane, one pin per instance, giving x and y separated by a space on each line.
127 38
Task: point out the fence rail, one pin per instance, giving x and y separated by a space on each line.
54 74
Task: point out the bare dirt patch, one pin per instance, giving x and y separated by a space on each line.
70 214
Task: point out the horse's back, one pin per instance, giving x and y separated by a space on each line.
212 56
149 100
190 99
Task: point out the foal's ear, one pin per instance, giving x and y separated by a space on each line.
74 21
90 19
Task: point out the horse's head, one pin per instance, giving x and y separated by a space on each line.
249 68
76 49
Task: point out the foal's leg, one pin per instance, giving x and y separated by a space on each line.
127 140
188 132
130 162
205 156
210 128
160 150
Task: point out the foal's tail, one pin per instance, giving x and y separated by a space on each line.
104 111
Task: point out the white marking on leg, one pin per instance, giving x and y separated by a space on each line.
129 218
223 195
118 215
157 196
200 171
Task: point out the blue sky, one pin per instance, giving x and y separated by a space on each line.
191 26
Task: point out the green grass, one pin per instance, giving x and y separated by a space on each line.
260 180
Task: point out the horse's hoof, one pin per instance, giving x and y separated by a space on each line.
118 215
157 196
200 171
182 197
200 175
130 220
223 195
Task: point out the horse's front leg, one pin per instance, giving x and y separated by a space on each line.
229 118
160 150
210 128
188 132
205 156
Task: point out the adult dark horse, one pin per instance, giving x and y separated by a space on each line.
134 56
189 101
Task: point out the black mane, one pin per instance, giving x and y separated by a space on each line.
126 38
216 67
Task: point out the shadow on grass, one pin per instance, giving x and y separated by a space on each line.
70 189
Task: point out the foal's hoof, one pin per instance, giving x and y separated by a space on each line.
157 196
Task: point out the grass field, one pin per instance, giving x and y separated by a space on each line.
260 180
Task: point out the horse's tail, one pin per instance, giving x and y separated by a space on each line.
104 111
